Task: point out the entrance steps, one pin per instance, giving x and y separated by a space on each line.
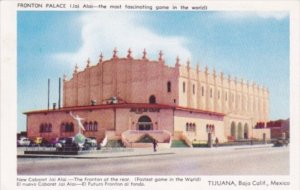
179 144
140 138
114 144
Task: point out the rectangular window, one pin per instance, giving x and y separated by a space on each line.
193 89
169 86
202 90
218 94
210 92
183 87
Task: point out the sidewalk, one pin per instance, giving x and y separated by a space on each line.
138 152
104 153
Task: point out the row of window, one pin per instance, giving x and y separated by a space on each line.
67 127
210 128
45 127
91 126
210 92
88 126
190 127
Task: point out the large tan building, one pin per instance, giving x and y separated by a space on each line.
126 98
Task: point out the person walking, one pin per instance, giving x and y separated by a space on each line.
217 142
154 145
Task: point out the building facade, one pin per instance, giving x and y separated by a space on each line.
121 94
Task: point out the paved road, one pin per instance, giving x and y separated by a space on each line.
184 161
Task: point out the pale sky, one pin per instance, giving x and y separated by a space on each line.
249 45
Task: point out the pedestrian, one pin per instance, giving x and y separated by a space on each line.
154 145
217 141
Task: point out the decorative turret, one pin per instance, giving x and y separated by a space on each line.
115 56
129 54
188 64
214 73
64 77
88 63
101 58
206 69
198 68
144 54
177 64
76 69
160 58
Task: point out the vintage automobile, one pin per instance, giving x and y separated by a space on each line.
90 142
281 142
40 141
23 141
53 142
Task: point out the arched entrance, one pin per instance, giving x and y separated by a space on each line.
232 130
246 131
240 131
152 99
144 123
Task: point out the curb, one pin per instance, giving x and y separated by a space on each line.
254 147
87 157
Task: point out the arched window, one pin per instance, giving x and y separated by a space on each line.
41 128
194 127
152 99
62 127
85 125
169 86
49 127
95 126
45 127
211 92
71 127
202 90
90 128
183 87
67 127
187 127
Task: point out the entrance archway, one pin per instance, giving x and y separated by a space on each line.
246 131
240 131
232 130
144 123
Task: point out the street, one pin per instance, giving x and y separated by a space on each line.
182 161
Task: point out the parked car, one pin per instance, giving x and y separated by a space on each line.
67 144
53 142
40 141
281 142
90 142
62 140
23 141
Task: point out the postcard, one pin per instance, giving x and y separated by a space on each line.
149 94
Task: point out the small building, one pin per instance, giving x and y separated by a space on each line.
126 98
279 128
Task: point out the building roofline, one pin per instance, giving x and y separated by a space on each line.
124 105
